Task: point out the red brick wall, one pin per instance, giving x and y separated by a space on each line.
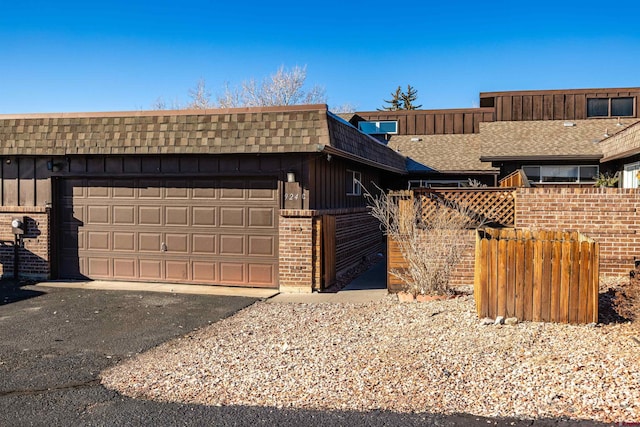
296 251
608 215
34 253
462 275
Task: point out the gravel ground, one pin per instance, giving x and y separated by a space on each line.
432 357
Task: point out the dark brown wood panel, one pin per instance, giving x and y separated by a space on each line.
516 108
220 231
558 107
527 107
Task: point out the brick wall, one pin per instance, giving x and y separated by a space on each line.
611 216
34 254
608 215
296 251
463 274
358 236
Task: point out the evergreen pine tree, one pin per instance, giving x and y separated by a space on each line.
409 97
395 103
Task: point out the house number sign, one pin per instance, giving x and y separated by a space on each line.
293 196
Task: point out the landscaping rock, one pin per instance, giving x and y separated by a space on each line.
511 321
486 321
499 320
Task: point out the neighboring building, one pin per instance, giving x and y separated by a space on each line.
549 152
621 152
453 160
229 197
553 134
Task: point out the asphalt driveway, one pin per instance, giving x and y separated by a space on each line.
55 341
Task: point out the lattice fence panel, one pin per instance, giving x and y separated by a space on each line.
495 206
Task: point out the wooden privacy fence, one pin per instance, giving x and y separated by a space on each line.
516 178
547 276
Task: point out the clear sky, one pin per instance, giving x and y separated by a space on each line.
62 56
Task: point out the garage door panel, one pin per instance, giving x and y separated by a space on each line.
98 214
150 189
231 190
151 269
231 244
177 189
150 242
177 270
124 241
98 190
204 244
231 217
262 274
177 243
98 240
124 215
262 246
124 268
262 217
205 190
204 271
210 231
99 267
124 189
232 273
204 216
177 215
150 215
262 190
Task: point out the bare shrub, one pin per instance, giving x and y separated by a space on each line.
627 298
431 246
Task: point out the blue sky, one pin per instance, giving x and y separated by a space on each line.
122 55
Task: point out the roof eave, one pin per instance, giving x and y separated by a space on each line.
349 156
541 158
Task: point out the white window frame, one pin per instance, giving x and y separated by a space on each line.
377 124
630 175
356 178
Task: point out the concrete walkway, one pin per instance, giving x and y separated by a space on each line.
229 291
369 286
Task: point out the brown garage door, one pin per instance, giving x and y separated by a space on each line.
222 231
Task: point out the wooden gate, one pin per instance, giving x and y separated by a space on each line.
544 276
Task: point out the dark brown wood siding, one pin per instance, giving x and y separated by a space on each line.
433 122
549 105
328 180
25 181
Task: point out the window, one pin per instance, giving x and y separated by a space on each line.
610 107
561 173
437 183
353 183
376 128
631 175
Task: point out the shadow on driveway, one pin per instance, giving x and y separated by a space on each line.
54 342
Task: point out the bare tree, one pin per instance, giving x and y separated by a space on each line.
281 88
200 96
431 246
344 108
284 87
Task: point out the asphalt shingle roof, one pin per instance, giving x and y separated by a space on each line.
623 144
550 138
442 153
289 129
